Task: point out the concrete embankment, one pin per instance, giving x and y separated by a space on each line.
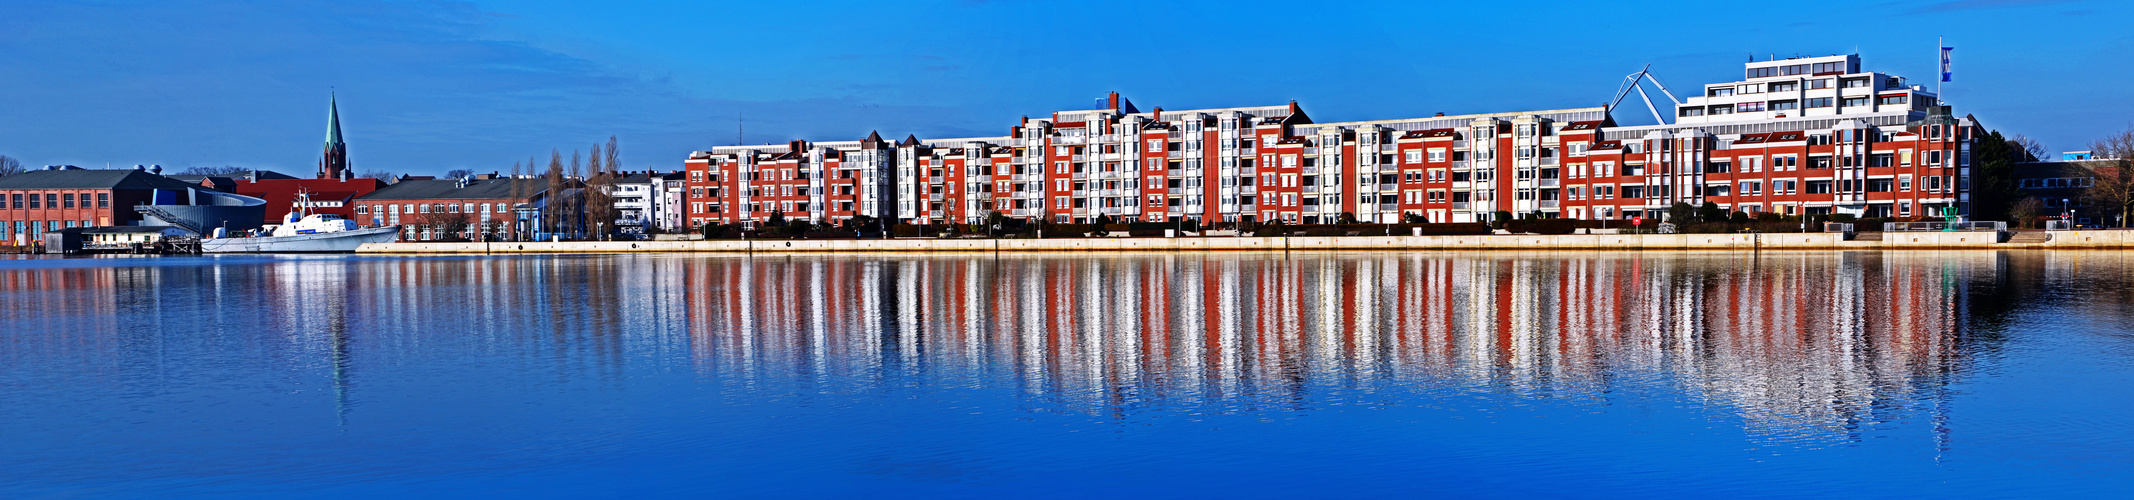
1607 242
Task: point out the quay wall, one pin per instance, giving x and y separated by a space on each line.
1602 242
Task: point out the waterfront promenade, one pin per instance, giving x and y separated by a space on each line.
1740 242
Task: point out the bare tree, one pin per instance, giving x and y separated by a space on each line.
459 173
2024 211
555 189
445 226
215 171
9 166
379 175
2112 169
2030 149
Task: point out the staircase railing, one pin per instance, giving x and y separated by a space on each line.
183 223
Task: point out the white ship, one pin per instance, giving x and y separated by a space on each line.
302 232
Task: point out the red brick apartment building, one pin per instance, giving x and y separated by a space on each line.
1794 136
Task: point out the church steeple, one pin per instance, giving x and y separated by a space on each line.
334 163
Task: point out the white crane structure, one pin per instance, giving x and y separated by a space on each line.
1634 81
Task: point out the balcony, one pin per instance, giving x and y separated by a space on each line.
1175 154
1388 187
1459 205
1549 183
1459 165
1549 203
1389 207
934 180
1548 160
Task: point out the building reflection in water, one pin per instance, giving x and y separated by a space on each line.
1798 344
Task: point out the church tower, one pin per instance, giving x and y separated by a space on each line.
334 164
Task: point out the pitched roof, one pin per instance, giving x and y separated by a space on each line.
448 189
94 179
333 120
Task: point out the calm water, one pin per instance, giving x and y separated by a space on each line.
1970 374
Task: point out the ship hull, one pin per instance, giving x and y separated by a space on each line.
336 242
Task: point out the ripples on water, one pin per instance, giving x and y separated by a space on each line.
1252 374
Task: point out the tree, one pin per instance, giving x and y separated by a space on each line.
1413 218
1711 212
2029 149
777 218
2023 212
1680 213
2113 171
459 173
224 170
551 215
599 202
446 226
1993 174
1345 218
9 166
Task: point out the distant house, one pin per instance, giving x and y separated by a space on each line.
56 198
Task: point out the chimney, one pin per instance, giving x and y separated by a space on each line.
1440 113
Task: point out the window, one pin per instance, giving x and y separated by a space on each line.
1784 105
1749 107
68 199
1437 155
18 200
1414 157
1823 83
1853 83
1690 111
1719 92
1723 109
1785 86
1892 99
1717 167
1853 101
1878 185
1819 102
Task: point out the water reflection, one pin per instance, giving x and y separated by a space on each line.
1800 346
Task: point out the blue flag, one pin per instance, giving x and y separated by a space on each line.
1945 62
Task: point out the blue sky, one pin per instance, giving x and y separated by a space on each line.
431 86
